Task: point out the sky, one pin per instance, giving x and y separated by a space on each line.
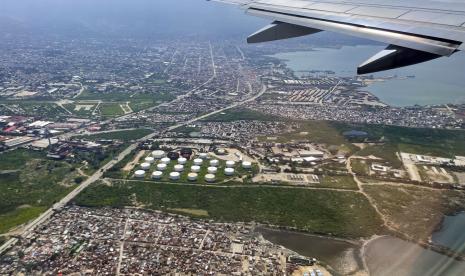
126 17
139 19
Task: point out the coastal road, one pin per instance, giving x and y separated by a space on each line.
98 174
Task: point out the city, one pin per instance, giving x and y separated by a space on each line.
179 156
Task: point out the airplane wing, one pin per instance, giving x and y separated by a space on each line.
416 30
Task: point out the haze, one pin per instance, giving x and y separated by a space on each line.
126 18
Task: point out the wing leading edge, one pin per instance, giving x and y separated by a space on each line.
415 33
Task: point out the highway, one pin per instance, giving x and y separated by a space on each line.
98 174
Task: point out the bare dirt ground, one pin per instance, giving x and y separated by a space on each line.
410 167
304 269
232 156
129 166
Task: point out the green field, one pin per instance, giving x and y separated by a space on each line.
123 135
30 183
111 109
345 214
19 216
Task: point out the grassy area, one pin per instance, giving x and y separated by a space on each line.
238 114
29 183
192 212
19 216
438 142
111 109
187 129
360 167
387 152
44 109
319 132
123 135
415 211
95 160
338 182
81 111
344 214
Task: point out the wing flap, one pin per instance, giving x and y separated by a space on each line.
278 31
394 57
379 11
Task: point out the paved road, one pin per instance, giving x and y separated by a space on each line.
97 175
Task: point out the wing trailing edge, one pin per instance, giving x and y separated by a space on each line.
394 57
280 30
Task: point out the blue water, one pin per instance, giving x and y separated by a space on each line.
440 81
452 233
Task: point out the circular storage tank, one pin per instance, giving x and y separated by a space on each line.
230 164
209 177
182 160
139 173
145 166
175 175
198 161
157 175
246 165
173 155
192 176
178 168
229 171
161 167
195 169
212 170
165 160
158 154
203 155
149 159
186 152
214 163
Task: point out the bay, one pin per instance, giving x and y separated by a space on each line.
452 233
440 81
